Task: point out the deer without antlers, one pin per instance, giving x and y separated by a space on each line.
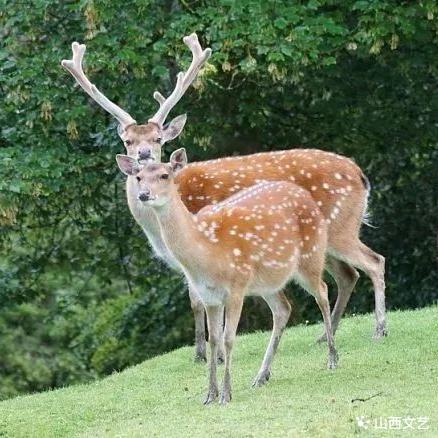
253 243
325 175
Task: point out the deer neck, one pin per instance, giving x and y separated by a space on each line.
147 219
181 235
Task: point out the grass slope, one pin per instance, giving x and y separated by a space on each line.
163 396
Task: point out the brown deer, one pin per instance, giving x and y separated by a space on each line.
252 243
335 182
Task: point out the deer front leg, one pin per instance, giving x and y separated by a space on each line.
200 342
280 309
321 297
214 321
199 314
232 316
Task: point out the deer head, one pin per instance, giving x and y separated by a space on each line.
144 142
154 181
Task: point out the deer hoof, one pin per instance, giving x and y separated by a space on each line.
225 397
261 379
200 357
211 396
333 361
380 333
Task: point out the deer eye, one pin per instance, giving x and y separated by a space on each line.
128 142
164 176
158 140
138 178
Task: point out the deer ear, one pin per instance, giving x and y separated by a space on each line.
128 166
173 129
178 159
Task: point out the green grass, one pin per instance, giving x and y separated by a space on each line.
163 396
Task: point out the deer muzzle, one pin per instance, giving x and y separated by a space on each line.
144 196
144 154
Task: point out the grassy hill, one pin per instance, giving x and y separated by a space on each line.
397 377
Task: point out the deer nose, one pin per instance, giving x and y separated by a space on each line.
144 154
144 196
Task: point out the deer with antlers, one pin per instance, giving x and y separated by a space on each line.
252 243
336 183
144 141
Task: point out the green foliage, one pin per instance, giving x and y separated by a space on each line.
80 294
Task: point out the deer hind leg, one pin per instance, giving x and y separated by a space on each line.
199 314
359 255
310 277
214 321
232 316
281 309
346 278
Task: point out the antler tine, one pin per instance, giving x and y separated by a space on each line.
74 67
199 58
192 43
159 97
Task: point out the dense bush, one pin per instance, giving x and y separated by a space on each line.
80 295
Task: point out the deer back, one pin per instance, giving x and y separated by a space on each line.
331 179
